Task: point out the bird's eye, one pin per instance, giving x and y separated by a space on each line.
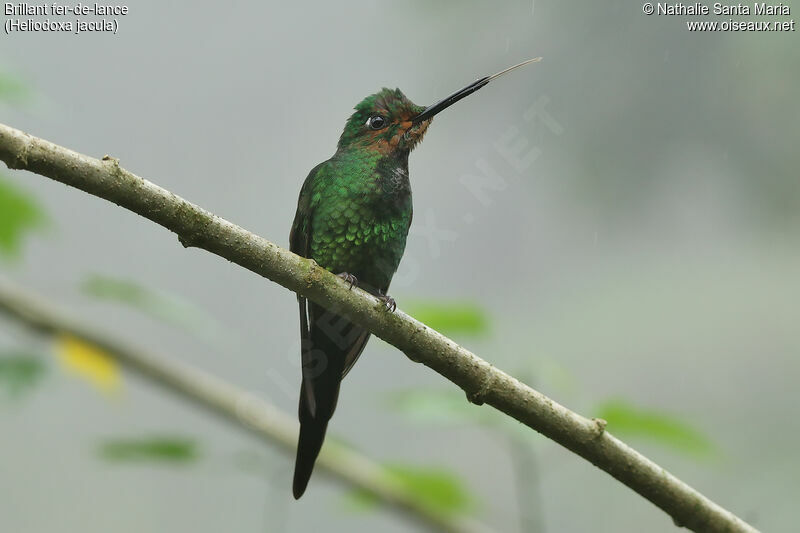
376 122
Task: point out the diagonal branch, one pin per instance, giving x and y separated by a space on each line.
481 381
241 407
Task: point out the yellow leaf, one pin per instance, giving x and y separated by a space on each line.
89 362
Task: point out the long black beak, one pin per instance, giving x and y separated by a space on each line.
466 91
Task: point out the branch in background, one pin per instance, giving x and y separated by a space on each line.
241 407
481 381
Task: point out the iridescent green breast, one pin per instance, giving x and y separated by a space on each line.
360 215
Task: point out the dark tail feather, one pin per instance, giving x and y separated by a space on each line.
331 344
312 435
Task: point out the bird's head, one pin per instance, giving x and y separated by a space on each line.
383 122
387 122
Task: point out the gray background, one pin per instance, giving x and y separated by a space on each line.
649 252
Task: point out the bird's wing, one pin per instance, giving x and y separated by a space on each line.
300 243
355 351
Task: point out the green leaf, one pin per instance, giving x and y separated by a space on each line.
439 407
20 372
12 89
164 449
360 501
450 317
627 420
19 214
435 487
154 303
433 406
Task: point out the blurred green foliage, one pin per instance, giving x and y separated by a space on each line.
449 317
157 304
441 490
447 407
626 420
433 406
19 211
161 449
19 214
20 372
13 89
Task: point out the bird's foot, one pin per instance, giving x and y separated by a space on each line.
388 301
349 278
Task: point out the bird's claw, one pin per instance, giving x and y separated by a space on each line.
388 301
349 278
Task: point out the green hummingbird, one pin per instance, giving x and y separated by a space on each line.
352 218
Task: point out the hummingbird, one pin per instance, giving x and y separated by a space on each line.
353 217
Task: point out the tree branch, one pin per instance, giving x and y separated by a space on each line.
235 405
481 381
